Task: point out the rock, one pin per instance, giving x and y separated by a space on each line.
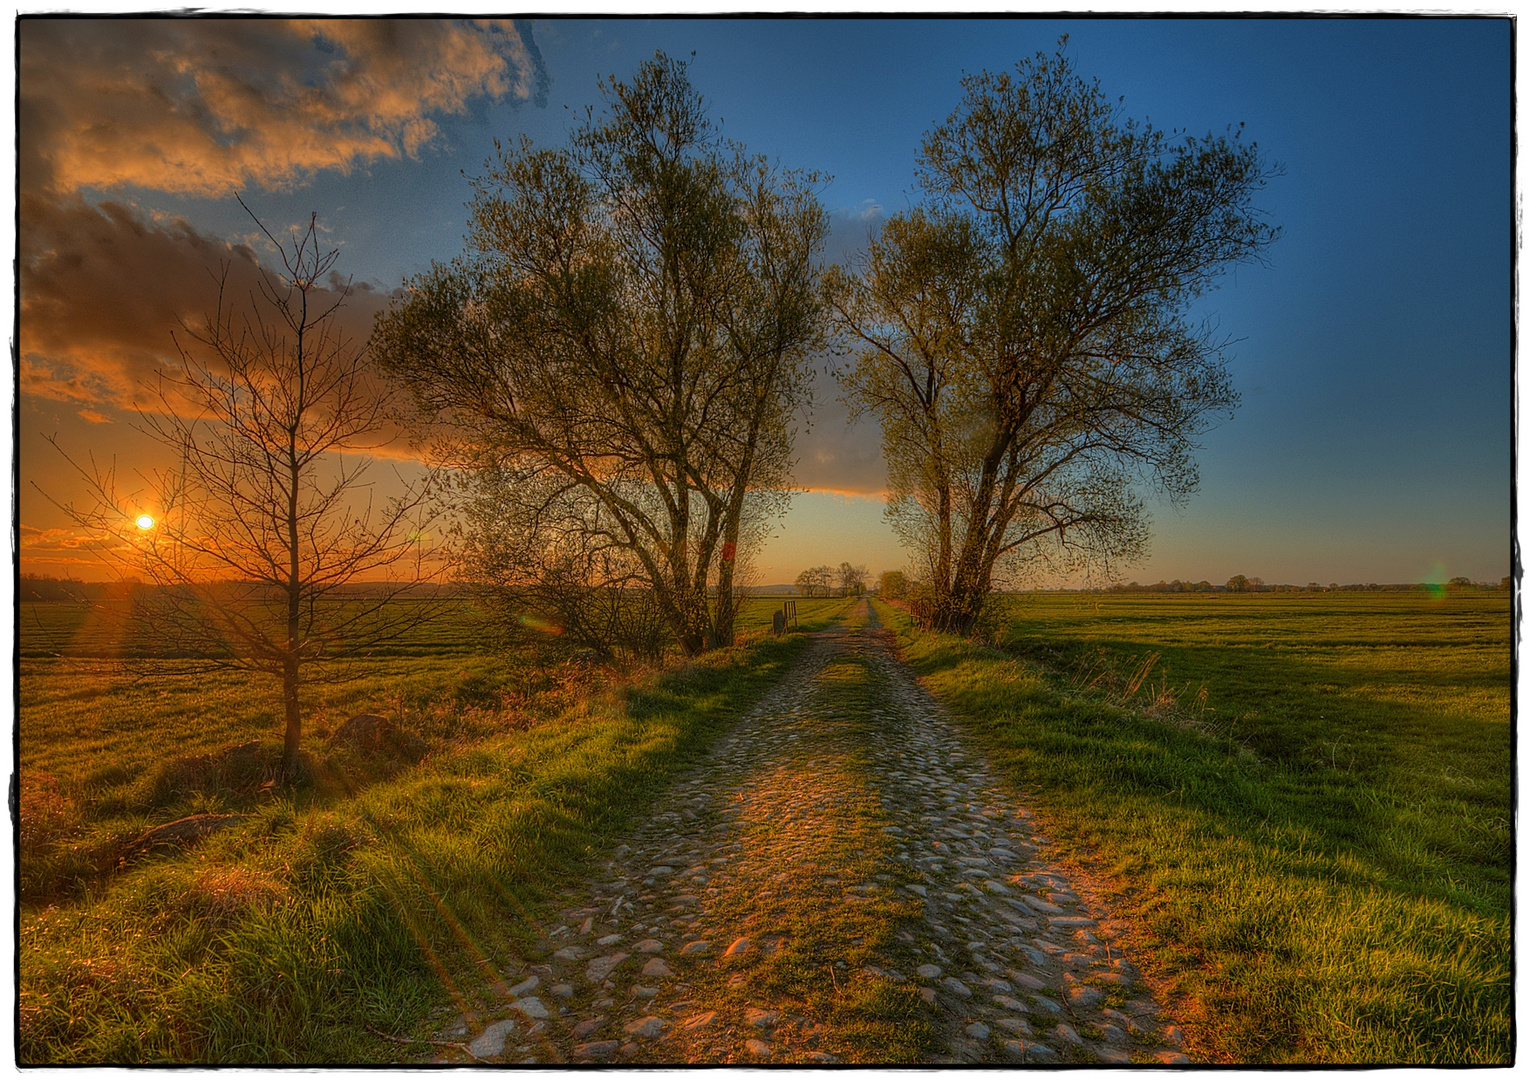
701 1020
1173 1034
645 992
760 1018
1030 982
656 969
1171 1057
977 1030
568 952
644 1027
696 948
585 1028
531 1007
1070 922
1040 1052
492 1040
1111 1055
1014 1025
1004 1001
956 986
819 1057
588 925
598 1050
661 870
1065 1033
1046 1003
1081 997
918 890
649 945
1112 1034
927 971
563 990
928 994
739 947
521 989
1043 906
758 1048
609 939
599 969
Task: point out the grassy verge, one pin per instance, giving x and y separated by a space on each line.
1294 909
318 916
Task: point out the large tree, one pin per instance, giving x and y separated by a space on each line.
250 540
627 335
1022 334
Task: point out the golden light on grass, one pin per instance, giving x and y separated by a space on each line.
145 522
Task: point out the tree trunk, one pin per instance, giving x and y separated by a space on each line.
294 719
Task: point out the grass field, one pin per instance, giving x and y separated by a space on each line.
1304 802
364 899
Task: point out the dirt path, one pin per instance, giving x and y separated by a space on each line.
841 881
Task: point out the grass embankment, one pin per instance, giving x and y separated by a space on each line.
1319 861
341 906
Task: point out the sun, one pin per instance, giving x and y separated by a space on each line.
145 521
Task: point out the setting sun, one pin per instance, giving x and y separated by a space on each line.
145 521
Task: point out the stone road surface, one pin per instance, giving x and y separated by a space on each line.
821 816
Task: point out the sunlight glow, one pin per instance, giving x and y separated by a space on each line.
145 521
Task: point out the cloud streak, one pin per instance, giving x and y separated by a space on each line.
208 106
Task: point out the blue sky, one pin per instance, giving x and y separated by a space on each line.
1373 352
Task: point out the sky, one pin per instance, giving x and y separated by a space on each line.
1373 351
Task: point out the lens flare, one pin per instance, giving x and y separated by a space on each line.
145 521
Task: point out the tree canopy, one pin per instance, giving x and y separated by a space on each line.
621 349
1022 333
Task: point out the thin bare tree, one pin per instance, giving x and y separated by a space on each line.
263 532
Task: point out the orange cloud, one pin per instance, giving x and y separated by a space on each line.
207 106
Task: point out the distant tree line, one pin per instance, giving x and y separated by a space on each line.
844 580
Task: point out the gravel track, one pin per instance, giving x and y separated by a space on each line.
841 827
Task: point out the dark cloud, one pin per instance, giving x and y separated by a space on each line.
103 288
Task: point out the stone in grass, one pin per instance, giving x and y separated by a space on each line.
1030 982
927 971
644 1027
1004 1001
1111 1055
696 948
600 968
1046 1003
656 969
492 1040
956 986
645 992
1040 1052
760 1018
531 1007
609 939
597 1050
568 952
586 1028
1081 997
702 1020
649 945
1016 1048
739 946
1112 1034
819 1057
563 990
977 1029
521 989
1065 1033
1014 1025
758 1048
1171 1057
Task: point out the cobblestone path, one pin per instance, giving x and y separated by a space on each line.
842 880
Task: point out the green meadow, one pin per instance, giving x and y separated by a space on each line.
375 895
1302 801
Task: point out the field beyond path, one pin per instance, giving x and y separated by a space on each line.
842 880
